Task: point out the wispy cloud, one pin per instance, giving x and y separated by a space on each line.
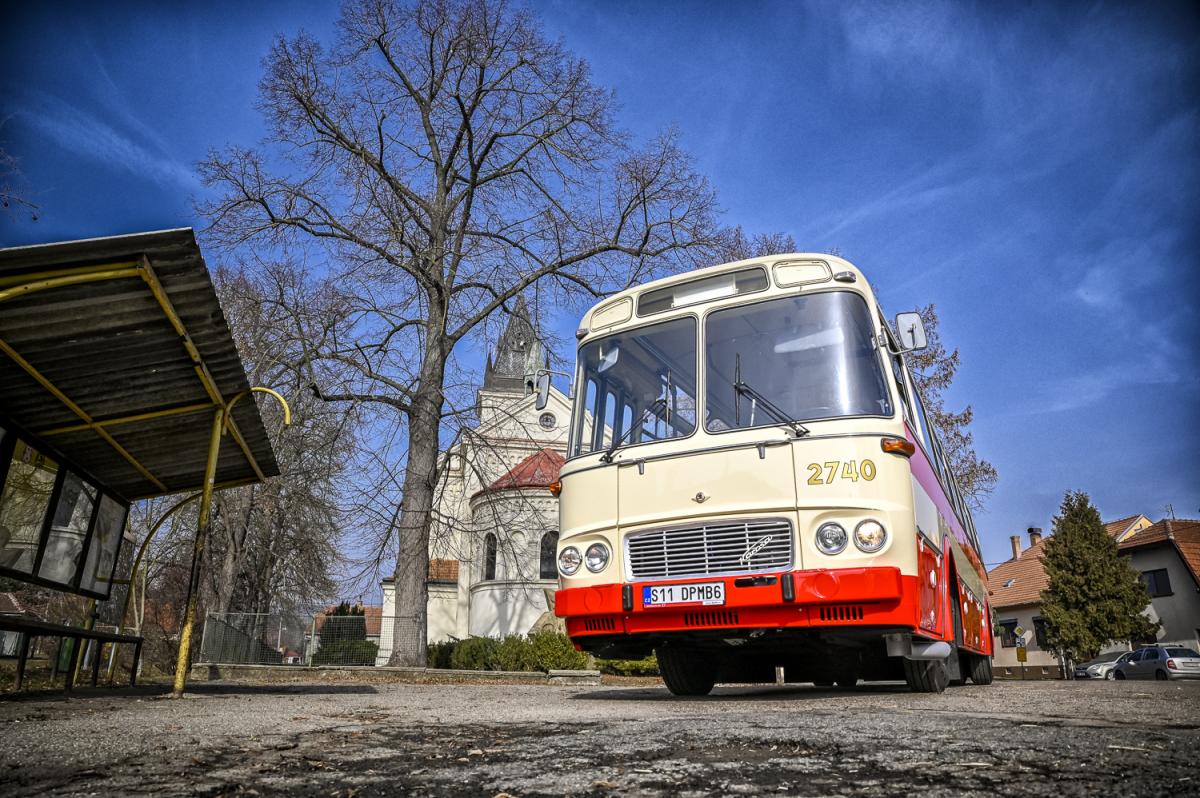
1082 390
87 135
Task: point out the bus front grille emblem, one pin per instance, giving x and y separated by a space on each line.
759 545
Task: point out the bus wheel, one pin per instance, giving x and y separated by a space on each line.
848 682
980 669
684 672
925 675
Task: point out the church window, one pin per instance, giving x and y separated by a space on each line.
547 421
546 569
489 557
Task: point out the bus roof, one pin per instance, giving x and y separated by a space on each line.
836 265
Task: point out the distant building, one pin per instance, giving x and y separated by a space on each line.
1015 591
492 548
1167 555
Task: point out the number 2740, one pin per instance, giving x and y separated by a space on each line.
833 469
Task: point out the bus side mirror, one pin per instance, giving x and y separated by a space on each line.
543 390
911 329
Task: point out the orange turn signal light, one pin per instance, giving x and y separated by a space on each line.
898 446
555 487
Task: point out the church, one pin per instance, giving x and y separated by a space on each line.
492 569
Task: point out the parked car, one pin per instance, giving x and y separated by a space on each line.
1102 666
1160 662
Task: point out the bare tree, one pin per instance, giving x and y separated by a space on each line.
933 369
11 196
278 542
736 245
446 158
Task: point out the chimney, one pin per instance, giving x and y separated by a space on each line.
1035 535
1016 544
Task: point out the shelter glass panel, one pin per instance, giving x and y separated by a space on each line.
68 530
102 551
23 506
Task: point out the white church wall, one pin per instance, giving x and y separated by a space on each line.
443 611
502 608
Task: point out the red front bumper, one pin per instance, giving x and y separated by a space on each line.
820 598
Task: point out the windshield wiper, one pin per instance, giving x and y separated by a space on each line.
607 457
740 387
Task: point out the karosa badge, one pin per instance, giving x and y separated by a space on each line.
755 549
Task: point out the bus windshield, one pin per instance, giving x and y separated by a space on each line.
813 356
640 385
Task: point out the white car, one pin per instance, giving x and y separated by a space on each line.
1101 667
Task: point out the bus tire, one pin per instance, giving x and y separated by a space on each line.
925 675
848 682
684 672
980 669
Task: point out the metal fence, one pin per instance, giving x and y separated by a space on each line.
295 639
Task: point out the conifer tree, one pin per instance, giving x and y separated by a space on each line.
1093 596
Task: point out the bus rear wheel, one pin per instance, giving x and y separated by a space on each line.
685 672
925 675
980 668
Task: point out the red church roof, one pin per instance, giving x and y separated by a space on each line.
537 470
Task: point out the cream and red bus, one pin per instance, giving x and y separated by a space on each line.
752 483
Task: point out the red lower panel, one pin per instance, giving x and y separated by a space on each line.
849 597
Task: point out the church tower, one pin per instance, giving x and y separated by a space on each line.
512 371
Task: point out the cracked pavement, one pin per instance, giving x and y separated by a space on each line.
633 737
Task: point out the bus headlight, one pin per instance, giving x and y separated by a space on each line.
870 536
831 538
569 560
596 557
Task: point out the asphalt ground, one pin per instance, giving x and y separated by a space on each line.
633 738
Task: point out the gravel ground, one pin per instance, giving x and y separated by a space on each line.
1026 738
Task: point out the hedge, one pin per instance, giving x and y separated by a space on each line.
629 667
346 652
543 651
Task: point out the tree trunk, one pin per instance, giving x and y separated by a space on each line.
416 513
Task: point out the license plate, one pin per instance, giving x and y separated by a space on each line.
706 593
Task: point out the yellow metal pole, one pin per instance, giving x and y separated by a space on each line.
147 416
189 619
137 563
32 286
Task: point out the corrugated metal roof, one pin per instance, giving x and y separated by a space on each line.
110 348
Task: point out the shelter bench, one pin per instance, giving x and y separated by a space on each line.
30 628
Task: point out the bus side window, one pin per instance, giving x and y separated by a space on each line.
610 419
584 436
928 439
898 373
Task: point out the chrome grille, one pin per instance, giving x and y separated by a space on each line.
726 547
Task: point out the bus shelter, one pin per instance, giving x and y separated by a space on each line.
119 381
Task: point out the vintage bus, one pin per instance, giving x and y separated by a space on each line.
752 484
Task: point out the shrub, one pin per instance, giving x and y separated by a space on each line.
515 654
439 654
629 667
346 652
475 654
544 651
555 651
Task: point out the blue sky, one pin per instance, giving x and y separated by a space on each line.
1030 168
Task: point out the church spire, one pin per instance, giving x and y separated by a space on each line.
507 371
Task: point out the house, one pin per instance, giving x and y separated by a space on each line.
494 539
1015 593
1167 555
1160 552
